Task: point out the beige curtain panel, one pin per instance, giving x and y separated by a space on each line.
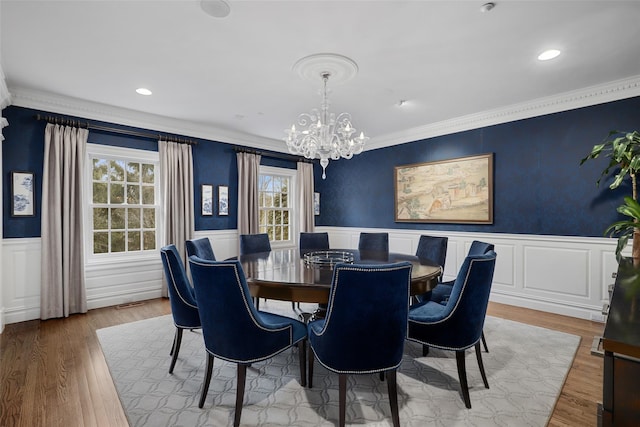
176 168
248 173
62 285
304 177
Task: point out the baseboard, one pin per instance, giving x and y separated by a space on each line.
587 313
118 299
21 314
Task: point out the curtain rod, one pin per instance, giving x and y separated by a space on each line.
273 155
157 136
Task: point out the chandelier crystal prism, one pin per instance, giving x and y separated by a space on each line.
321 134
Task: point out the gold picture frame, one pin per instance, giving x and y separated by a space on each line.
457 191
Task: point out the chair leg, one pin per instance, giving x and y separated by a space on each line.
242 379
481 365
392 388
381 375
484 343
173 344
302 350
425 350
342 393
462 376
311 357
177 340
207 380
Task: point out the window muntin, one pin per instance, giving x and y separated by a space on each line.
123 202
276 204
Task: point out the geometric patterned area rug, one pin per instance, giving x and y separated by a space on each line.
526 367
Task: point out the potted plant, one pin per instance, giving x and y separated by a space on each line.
623 150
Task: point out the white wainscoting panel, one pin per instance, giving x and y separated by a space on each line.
123 282
539 260
107 284
224 242
505 273
21 279
401 244
557 274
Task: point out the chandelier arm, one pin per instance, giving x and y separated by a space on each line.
324 135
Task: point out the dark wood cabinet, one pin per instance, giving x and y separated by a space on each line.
621 344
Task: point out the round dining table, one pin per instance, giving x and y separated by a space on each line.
287 275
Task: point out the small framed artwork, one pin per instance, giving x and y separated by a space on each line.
22 200
207 199
223 200
316 203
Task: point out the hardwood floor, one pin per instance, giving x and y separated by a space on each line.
577 403
53 373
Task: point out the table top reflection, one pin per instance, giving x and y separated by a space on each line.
283 274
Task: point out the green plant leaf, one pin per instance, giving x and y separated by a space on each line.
623 151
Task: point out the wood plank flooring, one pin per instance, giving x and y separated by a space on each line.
53 373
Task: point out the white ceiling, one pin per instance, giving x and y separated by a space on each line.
231 78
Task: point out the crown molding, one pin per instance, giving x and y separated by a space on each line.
593 95
5 95
59 104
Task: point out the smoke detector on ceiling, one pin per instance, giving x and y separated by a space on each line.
487 7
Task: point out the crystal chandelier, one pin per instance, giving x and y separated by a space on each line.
322 135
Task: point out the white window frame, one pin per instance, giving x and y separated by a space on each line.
126 154
293 203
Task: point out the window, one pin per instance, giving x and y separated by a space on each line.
123 197
276 200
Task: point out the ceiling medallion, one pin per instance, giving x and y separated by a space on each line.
321 134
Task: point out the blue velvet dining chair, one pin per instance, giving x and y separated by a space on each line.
378 242
200 248
234 330
457 325
309 242
254 243
432 248
357 338
441 292
313 242
184 307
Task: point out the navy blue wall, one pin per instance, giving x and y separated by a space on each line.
539 187
23 150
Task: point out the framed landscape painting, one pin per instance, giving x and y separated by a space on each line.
447 191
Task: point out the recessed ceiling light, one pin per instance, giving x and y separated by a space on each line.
143 91
216 8
548 54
